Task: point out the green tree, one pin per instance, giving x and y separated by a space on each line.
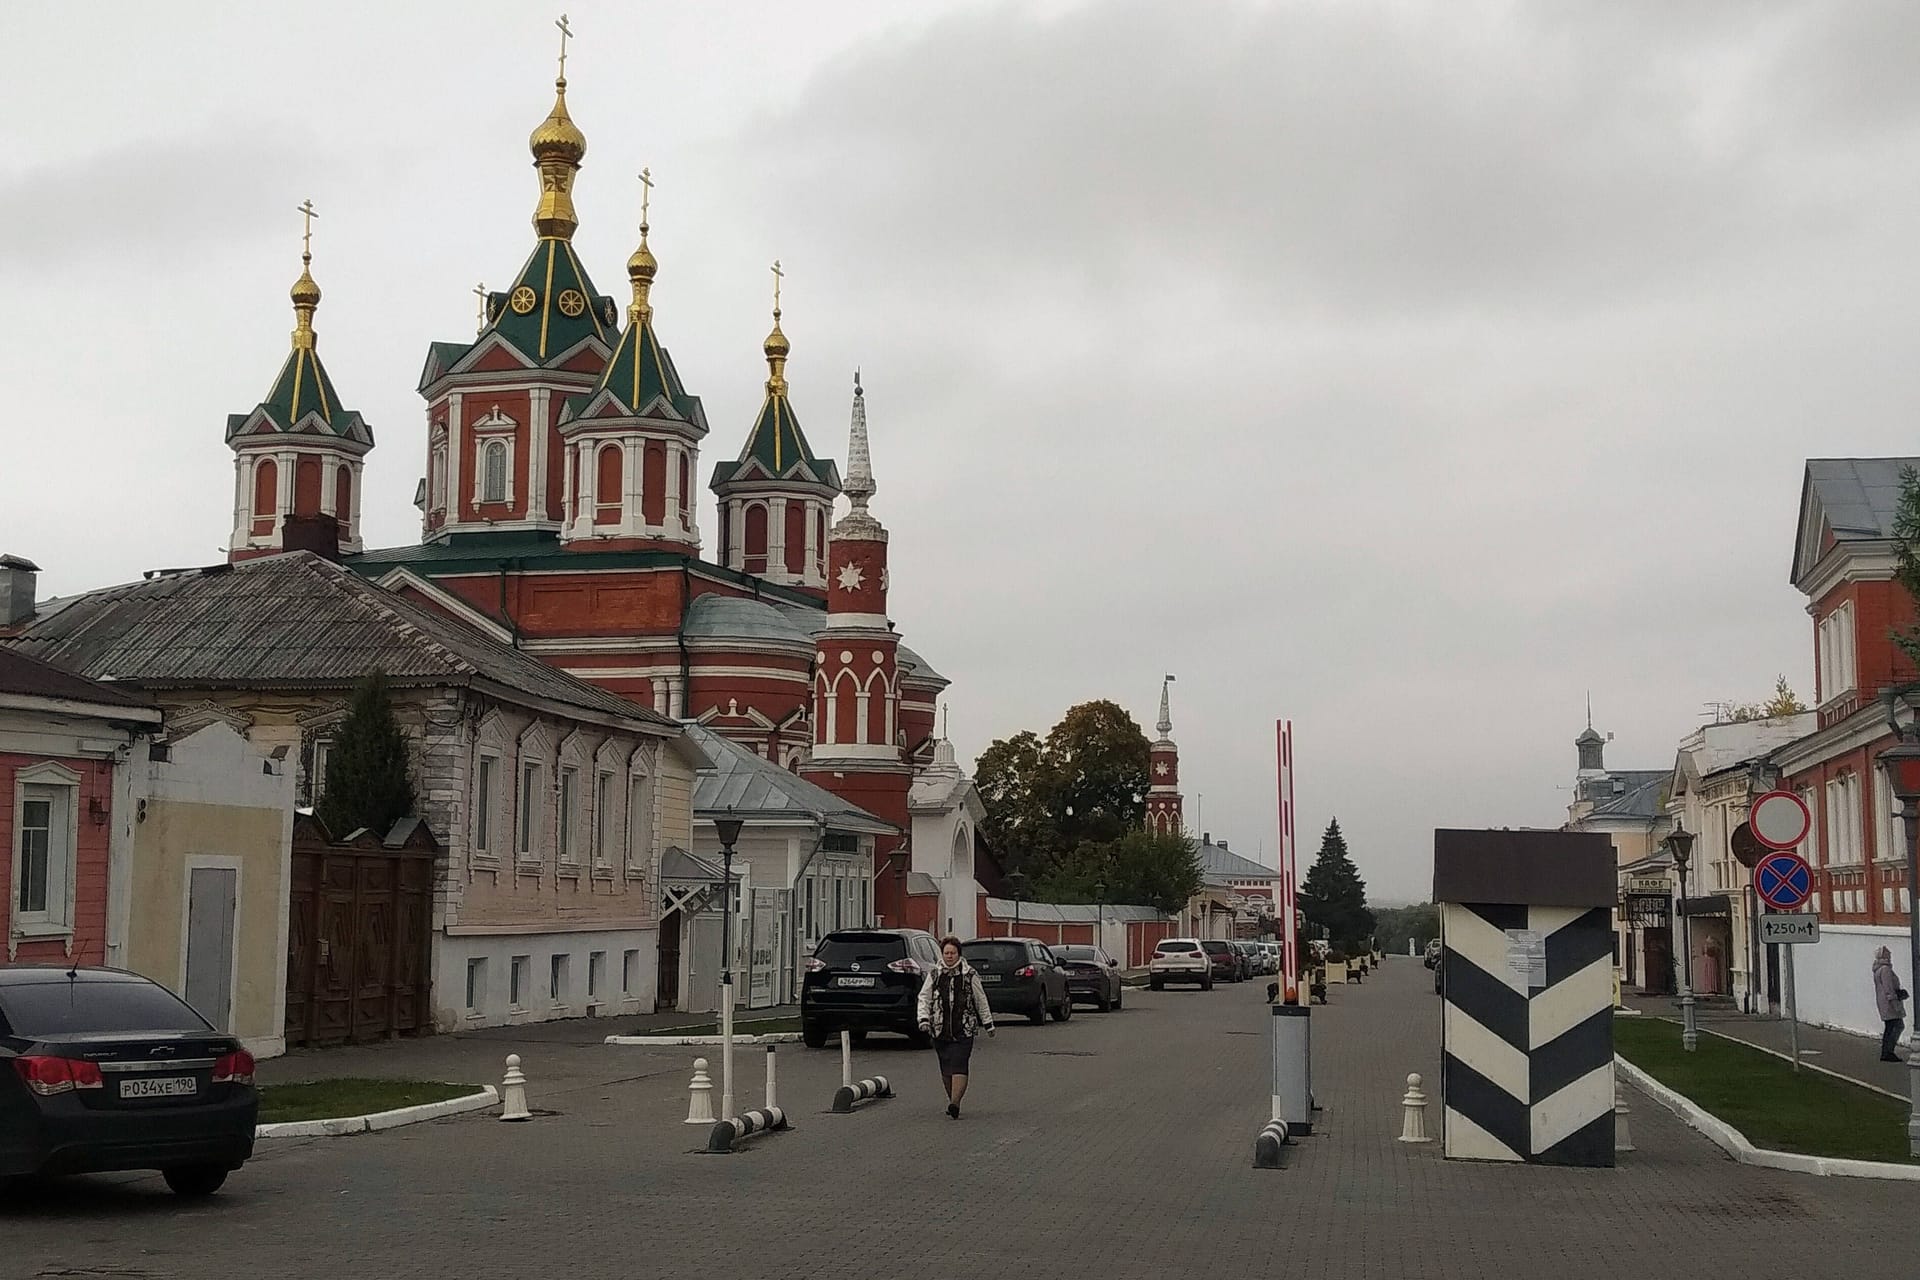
1097 761
369 783
1142 868
1906 550
1334 896
1394 927
1784 702
1017 789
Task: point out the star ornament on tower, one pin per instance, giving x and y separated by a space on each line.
851 578
1161 768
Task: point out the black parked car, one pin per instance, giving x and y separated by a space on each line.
1020 976
102 1070
1226 961
1093 976
863 980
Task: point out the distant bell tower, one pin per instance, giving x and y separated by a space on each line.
1164 806
297 456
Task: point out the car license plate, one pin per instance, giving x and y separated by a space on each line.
159 1087
989 978
853 982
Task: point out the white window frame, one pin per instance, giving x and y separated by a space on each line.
494 428
559 978
596 976
486 802
519 970
59 787
529 781
437 480
568 789
1839 672
603 818
629 970
640 814
317 783
476 986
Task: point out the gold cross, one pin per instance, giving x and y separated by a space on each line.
307 215
565 31
646 197
777 274
480 293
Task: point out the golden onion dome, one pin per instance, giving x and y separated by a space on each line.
558 137
776 345
642 265
305 292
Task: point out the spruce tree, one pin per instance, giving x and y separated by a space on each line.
1906 550
1334 896
369 783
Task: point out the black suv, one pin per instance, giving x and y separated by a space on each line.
863 980
1020 975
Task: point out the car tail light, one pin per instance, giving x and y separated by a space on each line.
909 965
1025 973
234 1068
49 1076
816 965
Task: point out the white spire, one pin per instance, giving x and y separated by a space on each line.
1166 717
859 486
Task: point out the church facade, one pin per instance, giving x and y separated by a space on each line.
559 513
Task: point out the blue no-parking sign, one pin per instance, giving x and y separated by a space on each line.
1783 880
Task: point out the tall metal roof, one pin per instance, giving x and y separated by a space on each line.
754 787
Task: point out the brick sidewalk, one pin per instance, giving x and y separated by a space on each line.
1111 1147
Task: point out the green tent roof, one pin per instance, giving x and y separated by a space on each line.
552 305
779 446
642 372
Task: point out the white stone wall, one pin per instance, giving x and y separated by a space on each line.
1833 978
493 1006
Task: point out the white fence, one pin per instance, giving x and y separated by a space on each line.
1833 978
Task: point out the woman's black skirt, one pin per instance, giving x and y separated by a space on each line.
954 1055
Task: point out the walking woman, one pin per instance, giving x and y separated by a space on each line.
953 1009
1891 998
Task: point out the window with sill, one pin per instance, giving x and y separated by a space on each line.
495 461
1838 673
517 978
317 782
46 804
557 978
527 843
639 821
596 974
603 816
486 790
569 790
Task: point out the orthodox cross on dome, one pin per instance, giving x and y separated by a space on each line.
646 200
480 306
778 274
566 33
307 215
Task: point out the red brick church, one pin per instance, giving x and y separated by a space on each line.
558 512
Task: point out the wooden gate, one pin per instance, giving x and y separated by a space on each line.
359 929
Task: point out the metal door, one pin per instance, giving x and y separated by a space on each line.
212 898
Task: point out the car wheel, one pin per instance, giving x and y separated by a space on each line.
1118 996
1103 1004
1065 1010
194 1181
813 1035
1206 984
1155 984
1038 1014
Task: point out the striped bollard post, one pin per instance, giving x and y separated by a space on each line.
731 1130
860 1091
1269 1149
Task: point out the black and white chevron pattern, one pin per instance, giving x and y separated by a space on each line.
1527 1071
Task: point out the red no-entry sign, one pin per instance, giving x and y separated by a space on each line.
1779 819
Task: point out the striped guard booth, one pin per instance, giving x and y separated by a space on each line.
1527 1071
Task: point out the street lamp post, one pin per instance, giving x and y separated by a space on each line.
729 832
1902 763
1017 881
1681 842
1100 913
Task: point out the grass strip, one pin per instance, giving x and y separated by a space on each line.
1762 1096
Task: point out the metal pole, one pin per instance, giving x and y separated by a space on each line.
1689 1033
1793 1013
846 1059
772 1102
1910 815
726 983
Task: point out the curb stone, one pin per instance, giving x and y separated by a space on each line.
1735 1144
380 1120
774 1037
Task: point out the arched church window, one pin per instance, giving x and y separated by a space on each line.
494 485
437 484
343 499
653 485
266 495
754 539
609 468
306 487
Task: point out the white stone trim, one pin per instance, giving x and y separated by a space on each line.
486 1097
41 926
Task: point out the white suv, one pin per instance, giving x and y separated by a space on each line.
1180 960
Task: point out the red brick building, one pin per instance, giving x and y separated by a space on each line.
558 513
1843 562
61 739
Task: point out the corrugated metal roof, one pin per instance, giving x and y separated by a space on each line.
288 621
1639 796
1070 913
754 786
30 677
921 882
1218 863
1859 496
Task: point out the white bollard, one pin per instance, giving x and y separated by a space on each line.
772 1101
513 1092
846 1059
700 1095
1622 1138
1413 1121
726 1050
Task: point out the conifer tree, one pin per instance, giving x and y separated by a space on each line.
368 778
1334 896
1906 550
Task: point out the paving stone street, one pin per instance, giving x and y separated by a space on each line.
1110 1146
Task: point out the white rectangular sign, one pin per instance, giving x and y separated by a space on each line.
1649 884
1527 956
1799 927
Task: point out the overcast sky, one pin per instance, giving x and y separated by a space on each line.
1407 370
